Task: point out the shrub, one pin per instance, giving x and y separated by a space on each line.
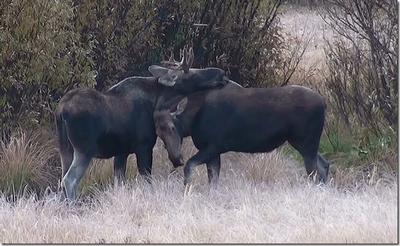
363 63
128 38
123 36
361 85
241 37
40 59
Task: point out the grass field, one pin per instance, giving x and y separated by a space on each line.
261 198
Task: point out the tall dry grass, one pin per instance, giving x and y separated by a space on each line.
24 163
261 198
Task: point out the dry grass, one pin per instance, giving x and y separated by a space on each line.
101 173
261 198
24 163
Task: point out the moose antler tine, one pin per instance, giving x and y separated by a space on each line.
181 55
191 57
186 53
171 62
185 65
171 57
187 58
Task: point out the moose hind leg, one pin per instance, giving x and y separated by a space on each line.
66 156
311 164
120 168
75 173
213 169
323 168
309 151
317 164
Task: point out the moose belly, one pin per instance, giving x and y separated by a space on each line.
250 136
112 144
257 142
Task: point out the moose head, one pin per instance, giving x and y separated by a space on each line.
183 78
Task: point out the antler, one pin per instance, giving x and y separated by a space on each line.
171 61
184 64
171 57
190 58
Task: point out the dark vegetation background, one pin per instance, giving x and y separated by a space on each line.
50 47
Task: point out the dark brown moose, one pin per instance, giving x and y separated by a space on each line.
240 119
119 122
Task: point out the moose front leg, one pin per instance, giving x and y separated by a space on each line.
202 156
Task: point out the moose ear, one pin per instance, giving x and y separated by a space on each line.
158 71
162 74
180 107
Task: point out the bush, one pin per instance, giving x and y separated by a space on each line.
363 63
40 59
123 36
128 38
361 87
241 37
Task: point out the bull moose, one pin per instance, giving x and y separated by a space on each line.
119 122
240 119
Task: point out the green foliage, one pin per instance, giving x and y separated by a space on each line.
123 36
40 58
361 147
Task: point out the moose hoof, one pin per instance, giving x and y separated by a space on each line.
188 190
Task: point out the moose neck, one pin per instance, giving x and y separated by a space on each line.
185 121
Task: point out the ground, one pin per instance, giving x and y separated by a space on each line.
263 198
